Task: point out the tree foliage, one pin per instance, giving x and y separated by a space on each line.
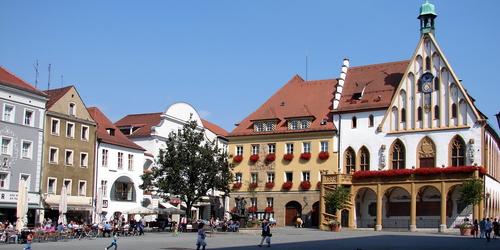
338 198
189 167
472 191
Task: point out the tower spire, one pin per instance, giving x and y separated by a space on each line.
427 16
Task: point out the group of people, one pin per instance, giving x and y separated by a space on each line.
484 228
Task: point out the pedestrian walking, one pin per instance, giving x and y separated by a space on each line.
482 227
28 241
176 230
113 242
488 229
266 234
201 237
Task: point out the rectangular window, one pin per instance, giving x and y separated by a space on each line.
289 148
288 176
238 178
54 129
3 180
68 157
8 113
51 186
26 150
28 117
270 201
70 130
304 124
82 188
255 149
269 126
260 127
270 177
254 178
295 125
124 191
271 148
120 160
6 146
85 133
306 147
253 201
72 109
306 176
26 178
67 184
53 155
324 146
239 150
104 186
84 160
105 158
130 162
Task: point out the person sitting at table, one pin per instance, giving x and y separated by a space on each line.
11 236
107 229
60 227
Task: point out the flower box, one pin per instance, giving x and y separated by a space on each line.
238 158
237 185
323 155
269 209
269 184
252 209
287 185
288 157
254 158
271 157
253 185
418 171
233 210
305 156
305 185
318 185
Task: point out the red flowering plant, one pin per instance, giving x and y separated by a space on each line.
305 185
233 210
253 185
254 158
271 157
383 173
288 157
238 158
252 209
269 184
237 185
269 209
305 156
323 155
318 185
287 185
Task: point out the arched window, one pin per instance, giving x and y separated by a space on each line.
354 122
436 112
398 155
370 121
453 110
436 83
350 161
364 159
457 152
428 63
403 115
426 153
419 113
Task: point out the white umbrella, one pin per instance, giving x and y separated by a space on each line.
141 210
22 205
63 206
98 206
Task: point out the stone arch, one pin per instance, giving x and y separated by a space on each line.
365 204
397 207
293 210
426 153
428 206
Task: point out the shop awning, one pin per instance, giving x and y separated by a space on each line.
14 205
73 207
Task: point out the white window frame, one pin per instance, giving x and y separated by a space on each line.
85 133
104 186
69 161
324 146
253 202
105 154
271 148
68 186
120 160
27 153
254 177
53 155
270 177
306 147
6 148
29 121
270 201
289 148
260 127
239 150
84 160
294 125
306 175
26 178
8 116
82 188
255 149
54 130
130 162
51 185
286 176
72 109
70 130
4 182
238 177
269 126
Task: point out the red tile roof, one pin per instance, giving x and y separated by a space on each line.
55 94
214 128
296 99
7 78
103 124
376 82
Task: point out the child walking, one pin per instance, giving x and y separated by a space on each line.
176 230
28 241
201 237
113 242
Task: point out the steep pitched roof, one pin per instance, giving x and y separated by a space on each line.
296 99
371 86
214 128
7 78
104 124
143 121
55 94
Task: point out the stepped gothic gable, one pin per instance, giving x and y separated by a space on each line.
430 95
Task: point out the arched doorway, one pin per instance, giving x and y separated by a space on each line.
293 210
315 214
366 208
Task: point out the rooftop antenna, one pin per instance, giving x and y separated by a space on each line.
48 88
62 80
36 73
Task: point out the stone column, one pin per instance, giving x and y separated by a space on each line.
378 225
442 224
322 206
413 208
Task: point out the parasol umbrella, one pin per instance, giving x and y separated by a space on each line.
63 206
22 205
98 206
141 210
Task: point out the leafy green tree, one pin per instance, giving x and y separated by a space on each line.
472 191
189 167
338 198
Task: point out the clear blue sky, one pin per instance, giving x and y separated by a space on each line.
227 57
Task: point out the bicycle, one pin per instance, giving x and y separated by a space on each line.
89 233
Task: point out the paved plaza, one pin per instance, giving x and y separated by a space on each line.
283 238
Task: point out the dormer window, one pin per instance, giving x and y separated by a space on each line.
299 124
264 126
111 131
356 96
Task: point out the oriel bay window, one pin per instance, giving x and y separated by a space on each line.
123 190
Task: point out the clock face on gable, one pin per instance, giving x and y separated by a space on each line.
426 87
427 82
